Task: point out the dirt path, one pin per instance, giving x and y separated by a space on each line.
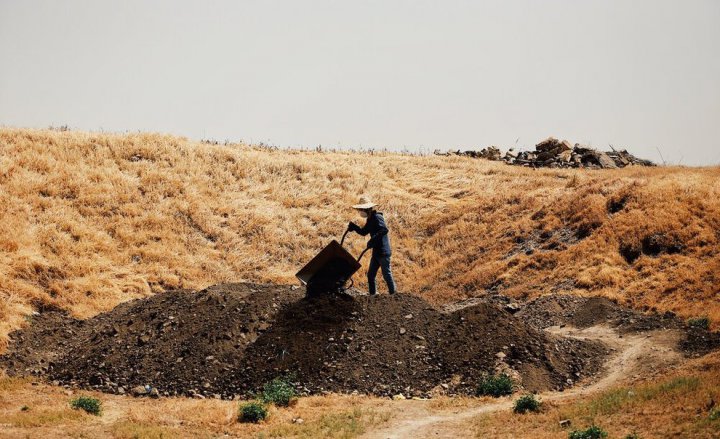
636 355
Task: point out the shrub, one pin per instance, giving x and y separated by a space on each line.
495 385
715 414
89 404
592 432
632 435
527 403
699 322
279 391
24 408
252 412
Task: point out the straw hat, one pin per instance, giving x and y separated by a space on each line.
365 203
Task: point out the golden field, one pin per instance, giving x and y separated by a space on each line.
91 220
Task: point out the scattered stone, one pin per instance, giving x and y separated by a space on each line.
138 391
554 153
512 308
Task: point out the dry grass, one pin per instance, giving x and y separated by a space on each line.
91 220
677 406
49 416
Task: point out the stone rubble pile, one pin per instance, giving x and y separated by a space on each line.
554 153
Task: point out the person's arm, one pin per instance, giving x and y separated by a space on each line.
377 235
353 227
364 230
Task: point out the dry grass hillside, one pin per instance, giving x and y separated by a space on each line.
90 220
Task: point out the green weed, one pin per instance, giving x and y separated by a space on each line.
527 403
252 412
279 391
592 432
89 404
495 385
699 322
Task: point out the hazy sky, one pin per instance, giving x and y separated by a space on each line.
417 74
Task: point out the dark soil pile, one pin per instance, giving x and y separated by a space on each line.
174 341
699 341
583 312
230 339
399 344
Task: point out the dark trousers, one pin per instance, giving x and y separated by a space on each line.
377 262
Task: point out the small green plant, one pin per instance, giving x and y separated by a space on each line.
633 435
252 412
279 391
495 385
527 403
699 322
24 408
715 414
592 432
89 404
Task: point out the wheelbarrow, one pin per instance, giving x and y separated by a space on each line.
330 270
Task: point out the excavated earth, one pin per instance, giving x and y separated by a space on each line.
583 312
227 340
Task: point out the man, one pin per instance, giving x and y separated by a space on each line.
379 243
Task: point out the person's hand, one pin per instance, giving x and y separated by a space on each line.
369 245
352 226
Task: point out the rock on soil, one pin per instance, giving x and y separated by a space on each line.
228 340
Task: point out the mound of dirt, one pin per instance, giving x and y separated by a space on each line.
699 341
386 345
230 339
583 312
174 341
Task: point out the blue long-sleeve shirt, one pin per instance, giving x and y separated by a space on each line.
378 231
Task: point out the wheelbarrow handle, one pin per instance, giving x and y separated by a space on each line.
362 254
343 240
